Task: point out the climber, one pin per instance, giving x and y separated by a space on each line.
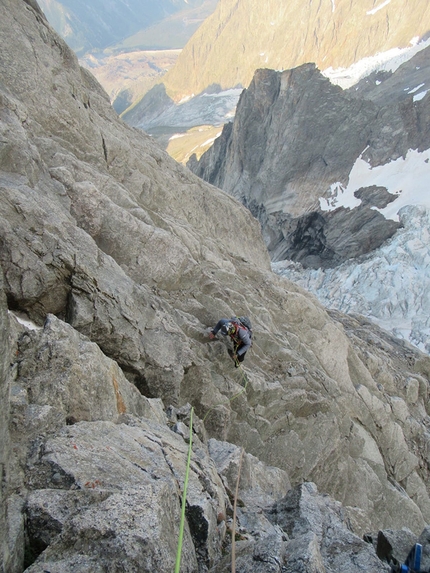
240 335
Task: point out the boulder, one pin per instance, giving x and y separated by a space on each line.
304 532
259 484
52 370
395 546
108 495
318 535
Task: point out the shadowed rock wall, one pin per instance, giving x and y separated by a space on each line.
296 136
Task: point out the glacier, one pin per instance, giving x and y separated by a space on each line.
390 286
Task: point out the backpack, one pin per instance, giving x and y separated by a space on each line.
245 322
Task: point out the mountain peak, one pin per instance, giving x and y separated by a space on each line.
233 42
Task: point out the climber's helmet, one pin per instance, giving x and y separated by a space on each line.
227 328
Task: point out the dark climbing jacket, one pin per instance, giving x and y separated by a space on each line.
241 337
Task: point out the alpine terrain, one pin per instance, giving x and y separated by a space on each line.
129 45
128 439
339 180
242 36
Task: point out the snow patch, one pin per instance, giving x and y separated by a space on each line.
209 141
177 136
416 89
420 96
185 99
395 176
387 61
371 12
339 196
29 325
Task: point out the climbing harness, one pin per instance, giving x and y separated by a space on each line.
239 325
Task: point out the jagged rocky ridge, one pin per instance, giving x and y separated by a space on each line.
296 135
115 262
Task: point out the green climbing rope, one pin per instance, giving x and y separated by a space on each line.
184 498
233 529
187 472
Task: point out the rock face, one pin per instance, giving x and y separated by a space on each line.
296 137
116 262
5 453
242 36
113 492
318 536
